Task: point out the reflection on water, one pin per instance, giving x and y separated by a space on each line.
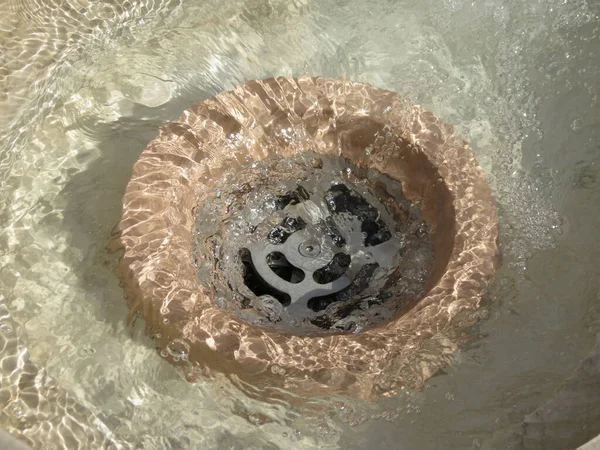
84 87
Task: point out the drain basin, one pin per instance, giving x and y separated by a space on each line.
310 234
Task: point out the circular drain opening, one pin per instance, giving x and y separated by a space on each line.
219 179
315 254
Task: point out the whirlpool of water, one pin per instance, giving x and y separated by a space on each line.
85 86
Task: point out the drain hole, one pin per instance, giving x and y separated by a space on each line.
256 284
289 225
294 197
376 232
319 304
360 283
283 268
332 271
340 199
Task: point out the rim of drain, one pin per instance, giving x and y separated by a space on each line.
289 116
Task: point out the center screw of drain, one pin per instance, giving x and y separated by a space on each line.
310 248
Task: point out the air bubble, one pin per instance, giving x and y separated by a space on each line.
325 430
277 370
86 351
178 348
577 124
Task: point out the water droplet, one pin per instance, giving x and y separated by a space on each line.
577 124
324 429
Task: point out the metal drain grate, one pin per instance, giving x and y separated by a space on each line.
326 246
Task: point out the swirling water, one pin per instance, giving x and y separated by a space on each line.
84 85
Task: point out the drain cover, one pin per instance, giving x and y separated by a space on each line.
325 241
311 244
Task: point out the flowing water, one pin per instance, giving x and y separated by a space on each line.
270 210
84 86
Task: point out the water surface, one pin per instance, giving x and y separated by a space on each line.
84 87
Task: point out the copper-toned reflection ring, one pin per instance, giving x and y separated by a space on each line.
373 128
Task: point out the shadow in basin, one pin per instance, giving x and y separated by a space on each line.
93 201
